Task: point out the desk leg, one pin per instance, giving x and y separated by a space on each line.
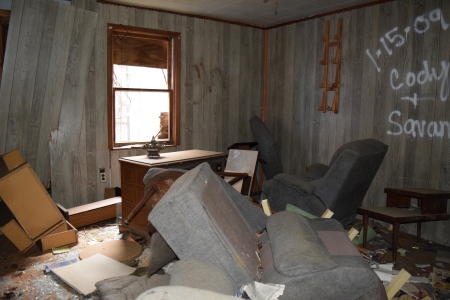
395 241
419 230
365 224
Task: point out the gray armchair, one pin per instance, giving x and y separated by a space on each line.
267 148
340 187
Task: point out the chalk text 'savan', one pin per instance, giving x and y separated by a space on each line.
419 128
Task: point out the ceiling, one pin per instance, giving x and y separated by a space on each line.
259 13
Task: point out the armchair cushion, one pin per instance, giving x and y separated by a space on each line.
297 250
300 184
201 275
317 171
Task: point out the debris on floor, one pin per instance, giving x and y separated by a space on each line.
23 274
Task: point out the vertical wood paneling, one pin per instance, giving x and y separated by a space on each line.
225 93
188 74
8 68
205 66
68 165
287 113
100 78
49 117
235 85
25 73
199 81
42 69
368 96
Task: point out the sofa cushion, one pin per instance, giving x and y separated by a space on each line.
201 275
129 287
160 253
297 250
182 292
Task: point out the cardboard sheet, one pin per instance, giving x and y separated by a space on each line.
83 275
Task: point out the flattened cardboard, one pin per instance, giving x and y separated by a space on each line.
63 235
10 161
27 212
30 203
17 236
83 275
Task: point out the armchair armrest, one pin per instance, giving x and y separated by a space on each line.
317 171
299 184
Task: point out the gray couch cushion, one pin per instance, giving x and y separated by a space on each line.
129 287
160 253
300 184
350 279
182 292
201 275
297 250
200 220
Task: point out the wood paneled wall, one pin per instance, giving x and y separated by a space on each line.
221 89
389 91
221 81
42 93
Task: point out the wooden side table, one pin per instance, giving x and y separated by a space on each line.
430 201
432 206
134 168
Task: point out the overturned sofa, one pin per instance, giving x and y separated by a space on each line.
204 219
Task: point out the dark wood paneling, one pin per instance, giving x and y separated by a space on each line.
367 98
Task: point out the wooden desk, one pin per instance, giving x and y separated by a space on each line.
397 216
134 168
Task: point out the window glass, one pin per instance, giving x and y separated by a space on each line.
138 115
139 77
143 86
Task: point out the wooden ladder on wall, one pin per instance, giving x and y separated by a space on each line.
337 61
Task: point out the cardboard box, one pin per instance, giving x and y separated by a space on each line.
63 235
27 212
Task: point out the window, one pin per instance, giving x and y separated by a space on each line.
143 86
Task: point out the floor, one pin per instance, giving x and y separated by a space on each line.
22 275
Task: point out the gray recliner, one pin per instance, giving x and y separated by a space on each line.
340 186
267 148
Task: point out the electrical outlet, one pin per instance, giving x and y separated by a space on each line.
102 175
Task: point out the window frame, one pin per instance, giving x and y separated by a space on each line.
174 86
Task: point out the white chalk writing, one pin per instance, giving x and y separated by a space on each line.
419 127
425 75
414 99
395 38
413 79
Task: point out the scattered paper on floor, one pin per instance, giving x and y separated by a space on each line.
263 291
